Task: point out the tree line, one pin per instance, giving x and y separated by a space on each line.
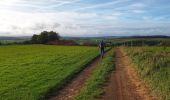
45 37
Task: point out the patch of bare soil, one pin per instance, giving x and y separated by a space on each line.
124 83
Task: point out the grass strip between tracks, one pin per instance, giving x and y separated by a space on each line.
93 86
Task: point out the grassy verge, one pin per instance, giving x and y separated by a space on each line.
93 86
153 64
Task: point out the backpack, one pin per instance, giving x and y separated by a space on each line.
101 44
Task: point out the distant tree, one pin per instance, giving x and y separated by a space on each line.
43 37
34 38
53 36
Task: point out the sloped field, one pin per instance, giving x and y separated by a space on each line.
31 71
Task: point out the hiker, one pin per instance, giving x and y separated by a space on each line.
101 47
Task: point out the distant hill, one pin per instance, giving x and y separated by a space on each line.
15 38
110 37
77 38
152 36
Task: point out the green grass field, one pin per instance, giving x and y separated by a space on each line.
153 64
29 72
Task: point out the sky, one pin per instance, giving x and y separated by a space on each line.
85 17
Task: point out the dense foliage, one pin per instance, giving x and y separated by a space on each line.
93 86
44 37
153 64
29 72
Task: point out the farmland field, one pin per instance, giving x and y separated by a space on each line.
28 72
153 64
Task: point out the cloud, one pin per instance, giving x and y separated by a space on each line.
137 5
34 5
102 5
30 23
80 18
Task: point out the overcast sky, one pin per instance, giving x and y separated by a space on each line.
85 17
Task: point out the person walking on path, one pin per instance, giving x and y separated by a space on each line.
101 47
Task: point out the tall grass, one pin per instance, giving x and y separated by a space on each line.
153 64
93 86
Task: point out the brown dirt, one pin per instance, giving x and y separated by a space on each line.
72 88
124 83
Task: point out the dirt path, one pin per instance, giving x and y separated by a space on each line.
70 90
124 83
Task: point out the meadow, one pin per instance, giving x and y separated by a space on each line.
153 64
29 72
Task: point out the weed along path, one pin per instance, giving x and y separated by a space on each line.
124 83
73 87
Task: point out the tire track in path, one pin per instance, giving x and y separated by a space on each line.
124 82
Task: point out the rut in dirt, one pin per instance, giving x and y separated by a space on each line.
74 87
124 83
